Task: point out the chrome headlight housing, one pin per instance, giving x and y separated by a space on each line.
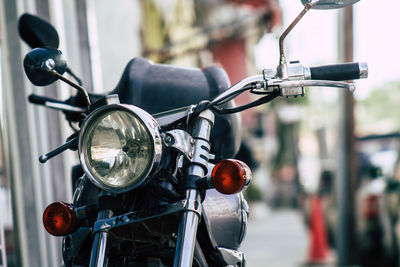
119 147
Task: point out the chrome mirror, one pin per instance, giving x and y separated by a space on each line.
329 4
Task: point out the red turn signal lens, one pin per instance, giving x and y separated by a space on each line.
59 219
230 176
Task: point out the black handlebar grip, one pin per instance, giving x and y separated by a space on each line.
340 72
41 100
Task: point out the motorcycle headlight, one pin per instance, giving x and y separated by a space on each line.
119 146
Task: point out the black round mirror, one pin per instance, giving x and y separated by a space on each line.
39 61
37 32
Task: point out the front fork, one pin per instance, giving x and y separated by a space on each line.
197 169
99 254
187 230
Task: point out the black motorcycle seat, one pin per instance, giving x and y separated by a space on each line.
159 87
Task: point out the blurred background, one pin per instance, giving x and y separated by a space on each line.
326 166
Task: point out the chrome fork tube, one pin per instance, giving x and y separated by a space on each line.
187 232
190 218
99 254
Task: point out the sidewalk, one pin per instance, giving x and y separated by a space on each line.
276 238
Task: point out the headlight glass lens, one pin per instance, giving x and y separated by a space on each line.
118 149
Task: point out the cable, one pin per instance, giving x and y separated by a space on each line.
234 94
75 129
204 105
258 102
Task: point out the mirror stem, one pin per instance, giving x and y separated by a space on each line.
69 71
76 86
286 32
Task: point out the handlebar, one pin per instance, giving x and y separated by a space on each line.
42 100
340 72
230 93
72 107
267 84
54 104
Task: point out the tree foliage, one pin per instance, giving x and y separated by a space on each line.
380 111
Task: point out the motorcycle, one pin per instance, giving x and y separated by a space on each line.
153 187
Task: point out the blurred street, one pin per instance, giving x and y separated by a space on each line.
325 162
275 237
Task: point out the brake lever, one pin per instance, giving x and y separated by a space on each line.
308 83
296 87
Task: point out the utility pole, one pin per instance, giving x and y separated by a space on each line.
347 161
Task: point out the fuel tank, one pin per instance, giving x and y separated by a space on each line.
226 218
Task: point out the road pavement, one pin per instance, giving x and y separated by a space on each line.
276 238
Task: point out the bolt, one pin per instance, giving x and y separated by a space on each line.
192 141
190 154
169 140
49 64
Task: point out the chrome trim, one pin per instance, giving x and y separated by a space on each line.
282 70
189 220
152 129
201 154
78 191
329 4
66 107
193 202
203 125
208 115
296 71
210 168
112 99
232 257
181 141
195 150
99 258
244 209
168 117
307 73
187 231
99 253
237 87
302 83
292 91
363 70
269 74
201 131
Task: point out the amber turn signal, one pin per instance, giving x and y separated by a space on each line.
60 219
230 176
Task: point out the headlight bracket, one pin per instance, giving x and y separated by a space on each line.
180 141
